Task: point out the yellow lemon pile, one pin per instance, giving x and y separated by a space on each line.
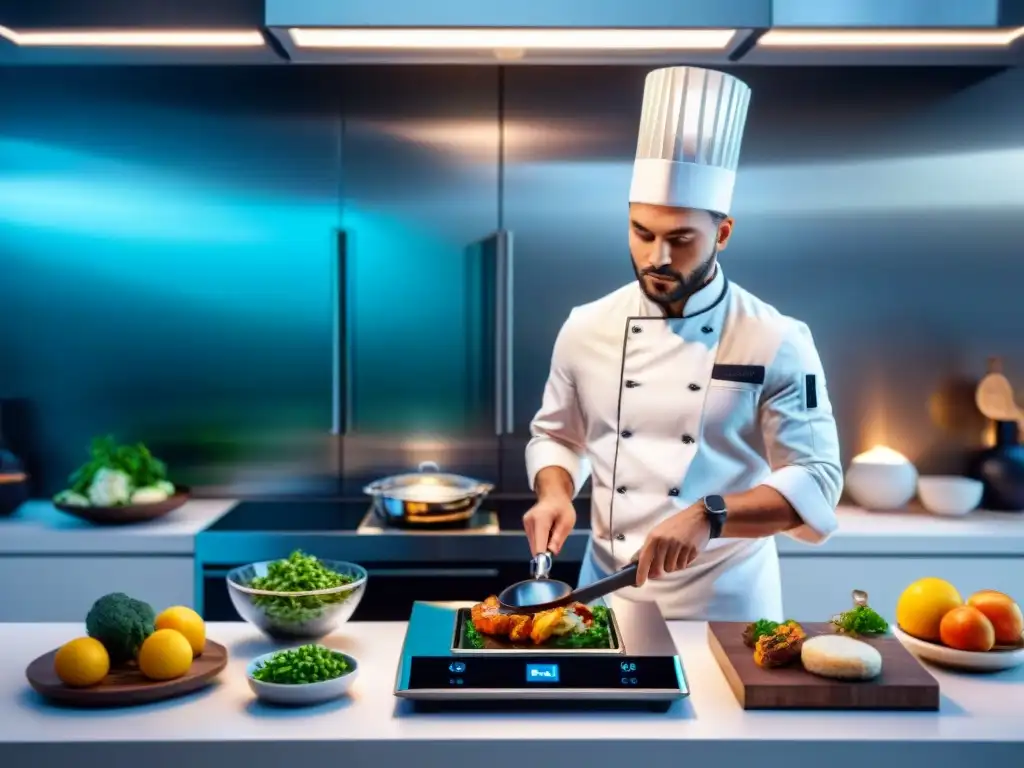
179 637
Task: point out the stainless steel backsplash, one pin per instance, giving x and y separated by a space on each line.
168 251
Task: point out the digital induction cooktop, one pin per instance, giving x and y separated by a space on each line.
641 668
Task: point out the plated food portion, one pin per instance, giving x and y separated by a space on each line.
576 626
300 596
985 632
129 655
120 484
836 653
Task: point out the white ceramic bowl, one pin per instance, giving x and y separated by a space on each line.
301 695
881 486
949 495
969 661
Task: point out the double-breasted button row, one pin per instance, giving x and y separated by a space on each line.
671 491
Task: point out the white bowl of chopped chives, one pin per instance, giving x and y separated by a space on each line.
302 676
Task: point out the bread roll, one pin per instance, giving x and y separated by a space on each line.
841 657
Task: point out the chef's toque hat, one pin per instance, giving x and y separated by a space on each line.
691 127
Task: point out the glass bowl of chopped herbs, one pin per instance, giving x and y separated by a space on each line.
300 597
309 674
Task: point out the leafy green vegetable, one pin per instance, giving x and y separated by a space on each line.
762 627
299 573
597 635
303 665
861 620
121 623
134 460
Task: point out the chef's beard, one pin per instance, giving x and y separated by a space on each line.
684 285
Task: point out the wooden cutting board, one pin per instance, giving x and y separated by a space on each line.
125 686
903 685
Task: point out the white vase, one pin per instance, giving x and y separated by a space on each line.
881 479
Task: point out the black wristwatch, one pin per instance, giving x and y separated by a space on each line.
715 511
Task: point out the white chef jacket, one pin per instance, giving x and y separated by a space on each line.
664 411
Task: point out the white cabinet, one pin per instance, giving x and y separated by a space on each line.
814 588
45 588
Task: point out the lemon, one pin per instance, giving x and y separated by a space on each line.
165 655
922 605
186 621
81 662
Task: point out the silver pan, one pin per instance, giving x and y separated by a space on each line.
427 497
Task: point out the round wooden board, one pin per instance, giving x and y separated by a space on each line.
125 686
131 513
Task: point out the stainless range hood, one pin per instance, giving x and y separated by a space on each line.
650 31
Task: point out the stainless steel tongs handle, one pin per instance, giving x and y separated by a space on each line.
540 566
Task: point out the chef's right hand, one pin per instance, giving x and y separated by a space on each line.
548 523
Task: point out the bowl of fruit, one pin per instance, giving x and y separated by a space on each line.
300 597
984 633
309 674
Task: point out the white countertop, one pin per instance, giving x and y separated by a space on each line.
978 708
38 528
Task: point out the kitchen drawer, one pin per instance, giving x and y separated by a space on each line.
64 588
815 588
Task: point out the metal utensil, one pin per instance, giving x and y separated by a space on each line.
542 594
860 597
427 496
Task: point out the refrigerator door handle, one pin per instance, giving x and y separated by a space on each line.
341 364
504 419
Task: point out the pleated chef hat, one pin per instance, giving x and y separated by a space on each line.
691 128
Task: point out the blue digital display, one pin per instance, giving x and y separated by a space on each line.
542 673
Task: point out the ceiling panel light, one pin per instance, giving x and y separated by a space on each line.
526 39
136 38
889 38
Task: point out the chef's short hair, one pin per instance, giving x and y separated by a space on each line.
717 218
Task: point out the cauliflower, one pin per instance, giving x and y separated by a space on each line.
149 495
110 488
71 499
166 487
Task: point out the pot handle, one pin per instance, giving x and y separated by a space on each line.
429 466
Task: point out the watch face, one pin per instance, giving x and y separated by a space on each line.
715 504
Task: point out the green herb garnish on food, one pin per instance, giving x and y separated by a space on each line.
299 573
301 666
758 629
861 620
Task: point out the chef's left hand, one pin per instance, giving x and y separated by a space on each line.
673 544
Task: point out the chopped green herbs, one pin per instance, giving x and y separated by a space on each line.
301 666
299 573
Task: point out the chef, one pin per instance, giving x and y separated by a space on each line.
700 412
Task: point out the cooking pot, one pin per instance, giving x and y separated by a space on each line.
427 496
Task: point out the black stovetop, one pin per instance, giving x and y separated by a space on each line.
346 515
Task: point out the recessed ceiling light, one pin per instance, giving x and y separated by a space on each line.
888 38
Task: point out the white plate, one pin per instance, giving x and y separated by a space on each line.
308 694
972 661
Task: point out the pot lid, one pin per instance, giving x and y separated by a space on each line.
428 485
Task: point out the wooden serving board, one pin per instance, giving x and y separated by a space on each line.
903 685
125 686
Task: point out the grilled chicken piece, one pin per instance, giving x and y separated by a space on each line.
520 628
545 624
488 618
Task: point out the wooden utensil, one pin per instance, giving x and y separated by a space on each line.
130 513
125 686
994 395
903 685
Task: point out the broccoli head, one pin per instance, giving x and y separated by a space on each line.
121 623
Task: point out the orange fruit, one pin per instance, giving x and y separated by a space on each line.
1005 615
187 622
922 605
82 662
165 655
966 629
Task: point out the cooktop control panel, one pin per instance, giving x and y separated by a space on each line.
510 672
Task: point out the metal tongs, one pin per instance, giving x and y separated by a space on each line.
541 593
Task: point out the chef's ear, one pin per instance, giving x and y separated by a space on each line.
724 232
